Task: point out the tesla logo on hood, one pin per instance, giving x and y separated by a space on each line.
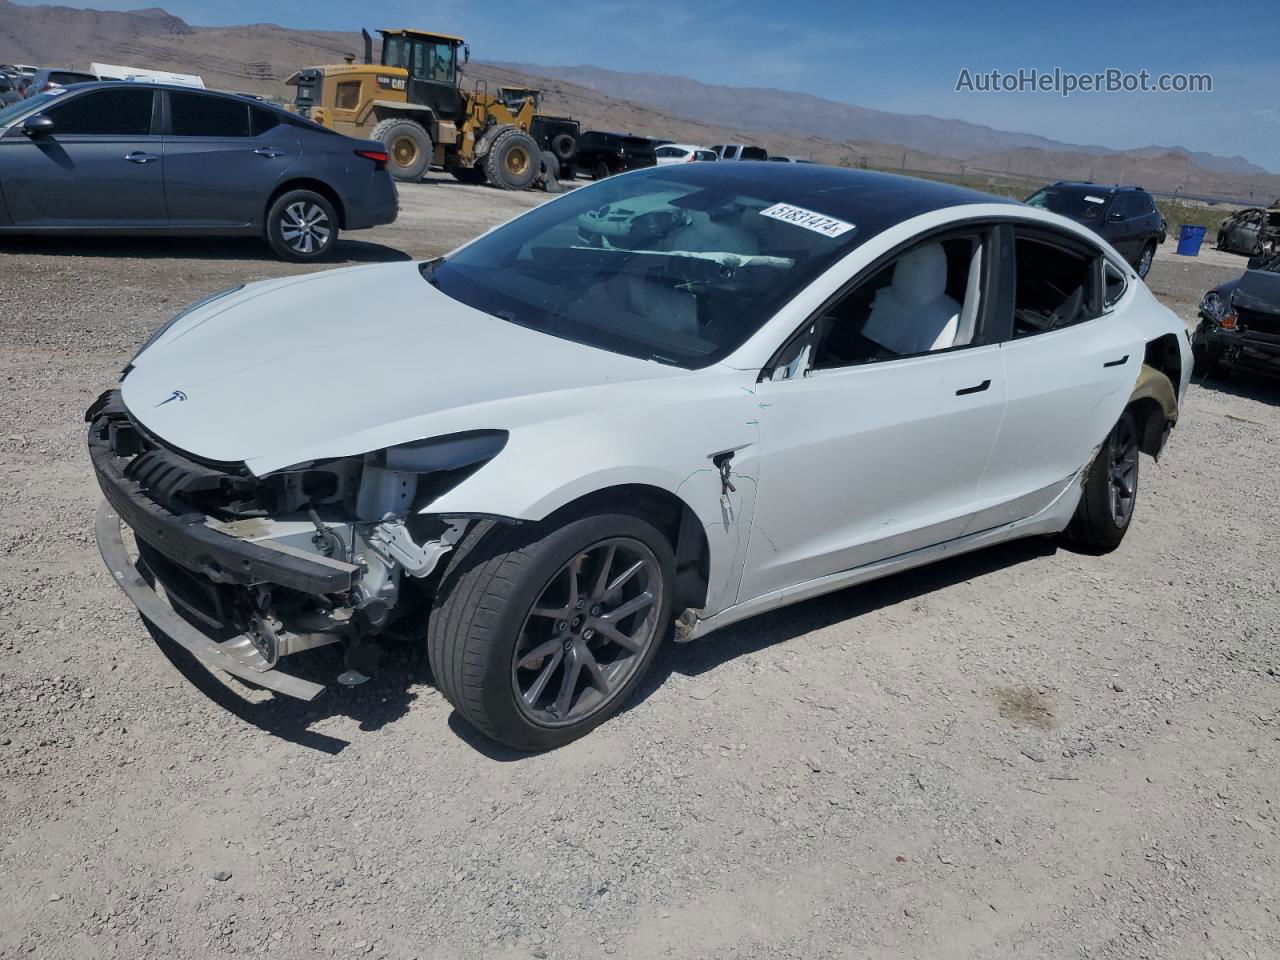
176 395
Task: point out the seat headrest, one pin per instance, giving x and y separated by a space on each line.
920 276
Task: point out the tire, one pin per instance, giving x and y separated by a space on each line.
513 160
483 625
409 148
564 146
1143 266
469 175
302 226
1099 524
600 170
549 174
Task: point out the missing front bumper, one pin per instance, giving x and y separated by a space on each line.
236 656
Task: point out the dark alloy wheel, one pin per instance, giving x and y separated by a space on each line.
302 226
1122 469
539 632
1110 491
588 632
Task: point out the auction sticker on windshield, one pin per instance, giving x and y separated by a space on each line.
817 222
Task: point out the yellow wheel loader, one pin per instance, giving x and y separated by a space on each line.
414 104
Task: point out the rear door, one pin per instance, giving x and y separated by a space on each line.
223 157
102 166
1071 360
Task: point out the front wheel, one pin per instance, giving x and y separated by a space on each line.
538 636
302 226
1110 491
513 161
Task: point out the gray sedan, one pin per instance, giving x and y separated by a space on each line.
113 158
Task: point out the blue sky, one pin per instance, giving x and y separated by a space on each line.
903 56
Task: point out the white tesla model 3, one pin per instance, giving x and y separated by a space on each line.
653 406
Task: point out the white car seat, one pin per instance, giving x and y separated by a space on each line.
914 314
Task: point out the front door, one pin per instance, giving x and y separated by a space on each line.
102 166
878 449
223 158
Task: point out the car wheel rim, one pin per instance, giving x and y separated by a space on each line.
1123 487
588 633
1145 263
305 227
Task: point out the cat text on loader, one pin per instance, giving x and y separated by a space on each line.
413 103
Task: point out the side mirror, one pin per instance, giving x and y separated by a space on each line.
466 53
38 126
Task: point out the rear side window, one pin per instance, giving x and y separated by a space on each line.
1055 286
197 115
110 113
263 120
754 153
1114 283
669 152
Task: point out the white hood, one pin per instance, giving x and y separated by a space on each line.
346 361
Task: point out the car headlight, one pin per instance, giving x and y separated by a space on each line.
1212 304
187 312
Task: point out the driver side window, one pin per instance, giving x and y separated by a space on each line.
925 300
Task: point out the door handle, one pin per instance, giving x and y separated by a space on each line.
269 152
1117 363
978 389
139 157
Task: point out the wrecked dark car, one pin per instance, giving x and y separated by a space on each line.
1240 323
1252 231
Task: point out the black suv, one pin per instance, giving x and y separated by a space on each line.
1126 217
604 154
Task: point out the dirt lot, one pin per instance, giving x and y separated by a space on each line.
1023 753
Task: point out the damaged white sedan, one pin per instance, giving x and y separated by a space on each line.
655 405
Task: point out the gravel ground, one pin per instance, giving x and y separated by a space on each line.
1025 752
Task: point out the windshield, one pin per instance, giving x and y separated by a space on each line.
1079 203
679 266
30 105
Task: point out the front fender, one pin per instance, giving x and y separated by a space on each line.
551 464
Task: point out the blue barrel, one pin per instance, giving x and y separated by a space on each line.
1189 239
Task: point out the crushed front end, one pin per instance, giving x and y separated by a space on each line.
243 570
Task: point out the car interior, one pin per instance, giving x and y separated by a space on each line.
1055 287
925 300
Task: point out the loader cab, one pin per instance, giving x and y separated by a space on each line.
433 62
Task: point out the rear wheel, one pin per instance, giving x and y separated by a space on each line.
1144 260
1110 492
409 148
302 226
513 160
538 637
